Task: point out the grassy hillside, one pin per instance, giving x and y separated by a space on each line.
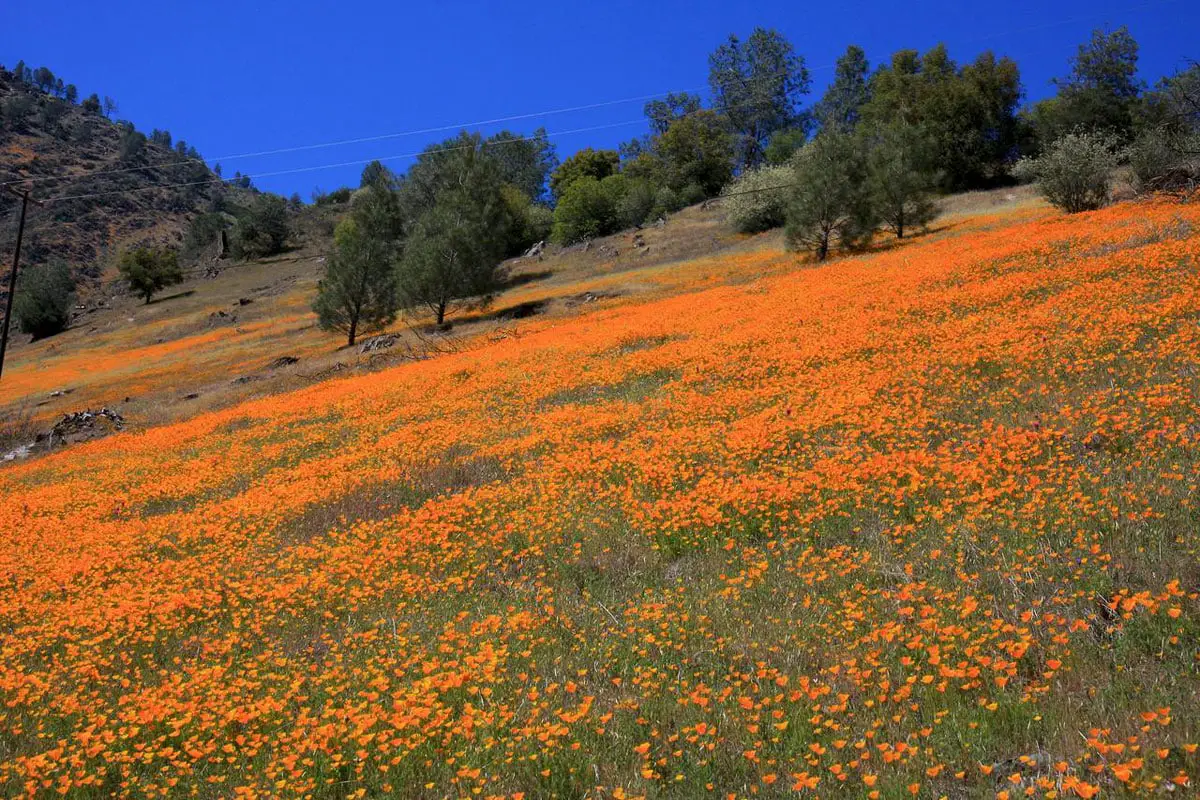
918 523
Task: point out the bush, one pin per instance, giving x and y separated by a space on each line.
1160 160
262 230
692 194
757 200
637 204
666 201
45 294
587 209
1074 172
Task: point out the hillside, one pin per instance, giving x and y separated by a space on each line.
67 150
920 522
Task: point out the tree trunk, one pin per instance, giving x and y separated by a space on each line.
441 312
823 248
353 331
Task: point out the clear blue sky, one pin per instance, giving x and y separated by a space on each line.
236 77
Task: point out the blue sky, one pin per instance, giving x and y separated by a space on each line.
236 77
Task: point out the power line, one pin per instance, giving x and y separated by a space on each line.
358 162
478 123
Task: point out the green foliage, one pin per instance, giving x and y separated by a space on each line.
1101 94
357 293
784 145
376 174
697 150
45 294
675 106
830 204
898 176
587 163
637 204
15 111
666 201
149 270
842 102
91 104
203 234
1073 173
1165 158
133 143
758 199
525 162
757 85
457 240
969 112
263 229
589 208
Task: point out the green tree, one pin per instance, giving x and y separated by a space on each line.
454 248
784 144
842 102
44 298
757 86
1100 94
376 174
91 104
589 208
358 291
525 162
262 229
697 150
587 163
900 183
758 200
149 270
71 94
830 204
675 106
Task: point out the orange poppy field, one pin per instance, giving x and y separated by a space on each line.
921 522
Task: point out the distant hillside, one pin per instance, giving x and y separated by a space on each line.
70 149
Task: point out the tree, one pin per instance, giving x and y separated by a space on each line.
673 107
969 114
525 162
1074 173
757 85
830 203
784 144
110 106
43 78
263 229
897 174
697 150
358 290
43 303
1100 94
454 248
148 270
132 143
587 163
589 208
91 104
842 102
72 93
377 175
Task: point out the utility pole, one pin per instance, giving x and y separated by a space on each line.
12 278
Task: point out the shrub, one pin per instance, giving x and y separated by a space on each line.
1074 172
692 194
262 230
586 209
637 204
757 200
148 270
666 201
1162 160
45 294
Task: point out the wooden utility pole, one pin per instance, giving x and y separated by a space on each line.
12 278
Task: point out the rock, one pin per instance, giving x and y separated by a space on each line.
282 361
662 221
244 301
81 426
535 251
379 343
